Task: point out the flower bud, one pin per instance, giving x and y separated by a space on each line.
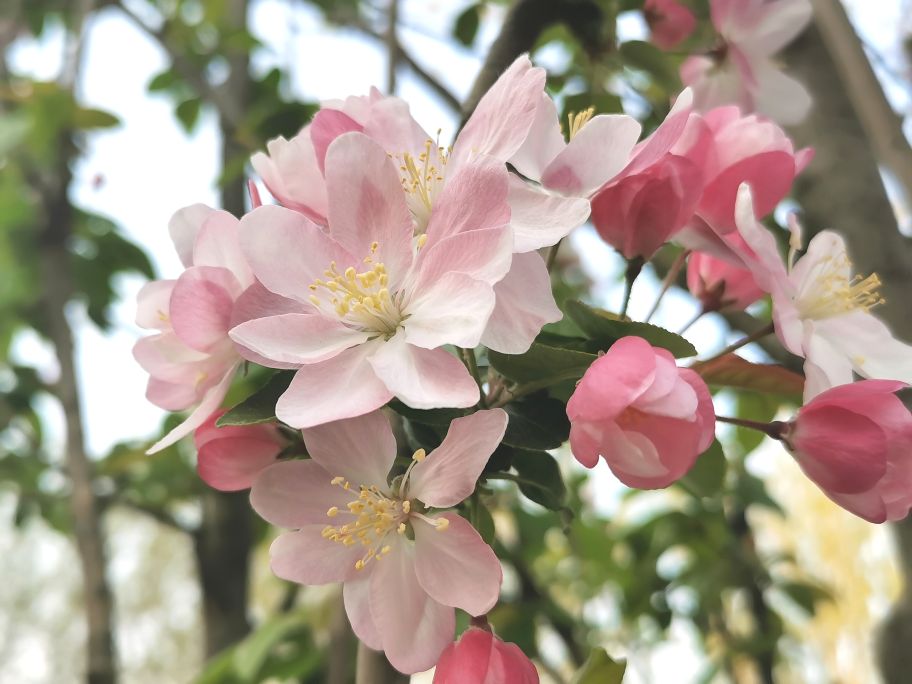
479 657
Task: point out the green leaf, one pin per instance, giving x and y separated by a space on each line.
607 328
466 26
600 668
537 423
707 475
758 407
733 371
542 363
482 520
540 478
752 490
647 57
436 417
259 407
188 112
162 81
86 119
603 103
805 594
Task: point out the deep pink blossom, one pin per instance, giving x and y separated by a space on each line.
379 303
479 657
669 22
741 69
719 284
645 416
855 442
404 567
229 458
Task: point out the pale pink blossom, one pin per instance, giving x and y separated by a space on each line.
855 442
479 657
379 304
719 284
821 310
405 565
645 416
669 22
190 358
741 69
229 458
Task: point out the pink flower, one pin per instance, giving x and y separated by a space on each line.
404 567
669 21
230 457
479 657
378 302
855 442
645 416
741 70
191 359
719 284
821 311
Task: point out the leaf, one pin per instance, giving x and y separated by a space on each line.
466 25
805 594
761 408
188 112
540 478
733 371
436 417
86 119
752 490
607 328
482 520
647 57
600 668
541 363
162 81
537 423
259 407
707 475
603 103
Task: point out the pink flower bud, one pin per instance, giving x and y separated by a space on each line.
229 458
479 657
855 442
669 21
720 284
645 416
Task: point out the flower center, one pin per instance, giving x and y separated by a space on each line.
575 122
361 300
834 293
422 179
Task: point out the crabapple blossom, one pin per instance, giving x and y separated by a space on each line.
669 22
719 284
404 565
821 311
230 457
855 442
379 304
190 358
741 70
479 657
645 416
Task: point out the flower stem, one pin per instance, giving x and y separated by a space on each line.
774 429
700 314
670 277
753 337
634 267
468 358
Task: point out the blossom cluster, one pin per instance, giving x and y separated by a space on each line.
390 265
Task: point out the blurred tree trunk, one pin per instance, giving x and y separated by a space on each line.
225 538
842 189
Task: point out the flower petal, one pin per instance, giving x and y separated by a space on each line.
153 304
449 473
455 567
230 465
308 558
295 494
360 449
296 338
184 227
483 254
540 218
452 309
201 305
544 143
217 244
356 597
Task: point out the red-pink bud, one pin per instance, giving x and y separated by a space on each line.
229 458
720 284
669 21
479 657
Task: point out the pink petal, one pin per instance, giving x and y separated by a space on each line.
183 228
455 567
153 304
391 124
361 449
326 126
167 358
230 465
293 176
544 143
449 473
453 310
585 441
296 494
594 156
770 177
201 306
868 505
634 459
668 448
767 266
356 597
665 137
402 611
423 378
258 302
540 218
473 198
341 387
367 205
467 661
288 252
296 338
217 244
523 305
170 396
482 254
307 558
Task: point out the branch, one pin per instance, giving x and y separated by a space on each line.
372 667
160 515
392 46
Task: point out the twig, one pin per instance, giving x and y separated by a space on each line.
392 46
744 341
667 282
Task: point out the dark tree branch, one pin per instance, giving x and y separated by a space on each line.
392 46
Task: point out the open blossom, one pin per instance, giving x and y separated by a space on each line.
719 284
404 566
229 458
479 657
378 302
190 358
669 22
821 310
645 416
741 69
855 442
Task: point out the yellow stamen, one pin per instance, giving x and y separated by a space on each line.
578 120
